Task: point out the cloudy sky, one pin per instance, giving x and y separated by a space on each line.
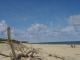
40 20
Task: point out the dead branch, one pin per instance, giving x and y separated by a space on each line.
4 55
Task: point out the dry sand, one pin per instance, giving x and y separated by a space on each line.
64 51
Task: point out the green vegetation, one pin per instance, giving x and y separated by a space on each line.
24 41
2 40
13 40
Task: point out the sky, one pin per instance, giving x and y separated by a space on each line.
40 20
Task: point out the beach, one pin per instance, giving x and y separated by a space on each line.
62 51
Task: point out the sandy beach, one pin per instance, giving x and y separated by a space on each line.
64 51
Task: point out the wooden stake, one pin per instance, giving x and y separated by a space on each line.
10 42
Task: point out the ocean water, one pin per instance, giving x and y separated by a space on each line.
67 42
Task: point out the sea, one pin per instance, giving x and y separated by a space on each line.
66 42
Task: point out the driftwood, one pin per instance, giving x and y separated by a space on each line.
10 43
4 55
33 51
30 52
36 58
18 56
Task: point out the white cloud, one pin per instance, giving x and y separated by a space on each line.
36 28
68 29
3 28
74 20
39 33
51 23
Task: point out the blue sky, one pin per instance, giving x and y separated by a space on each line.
40 20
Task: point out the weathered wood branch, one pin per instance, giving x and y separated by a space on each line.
4 55
11 44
